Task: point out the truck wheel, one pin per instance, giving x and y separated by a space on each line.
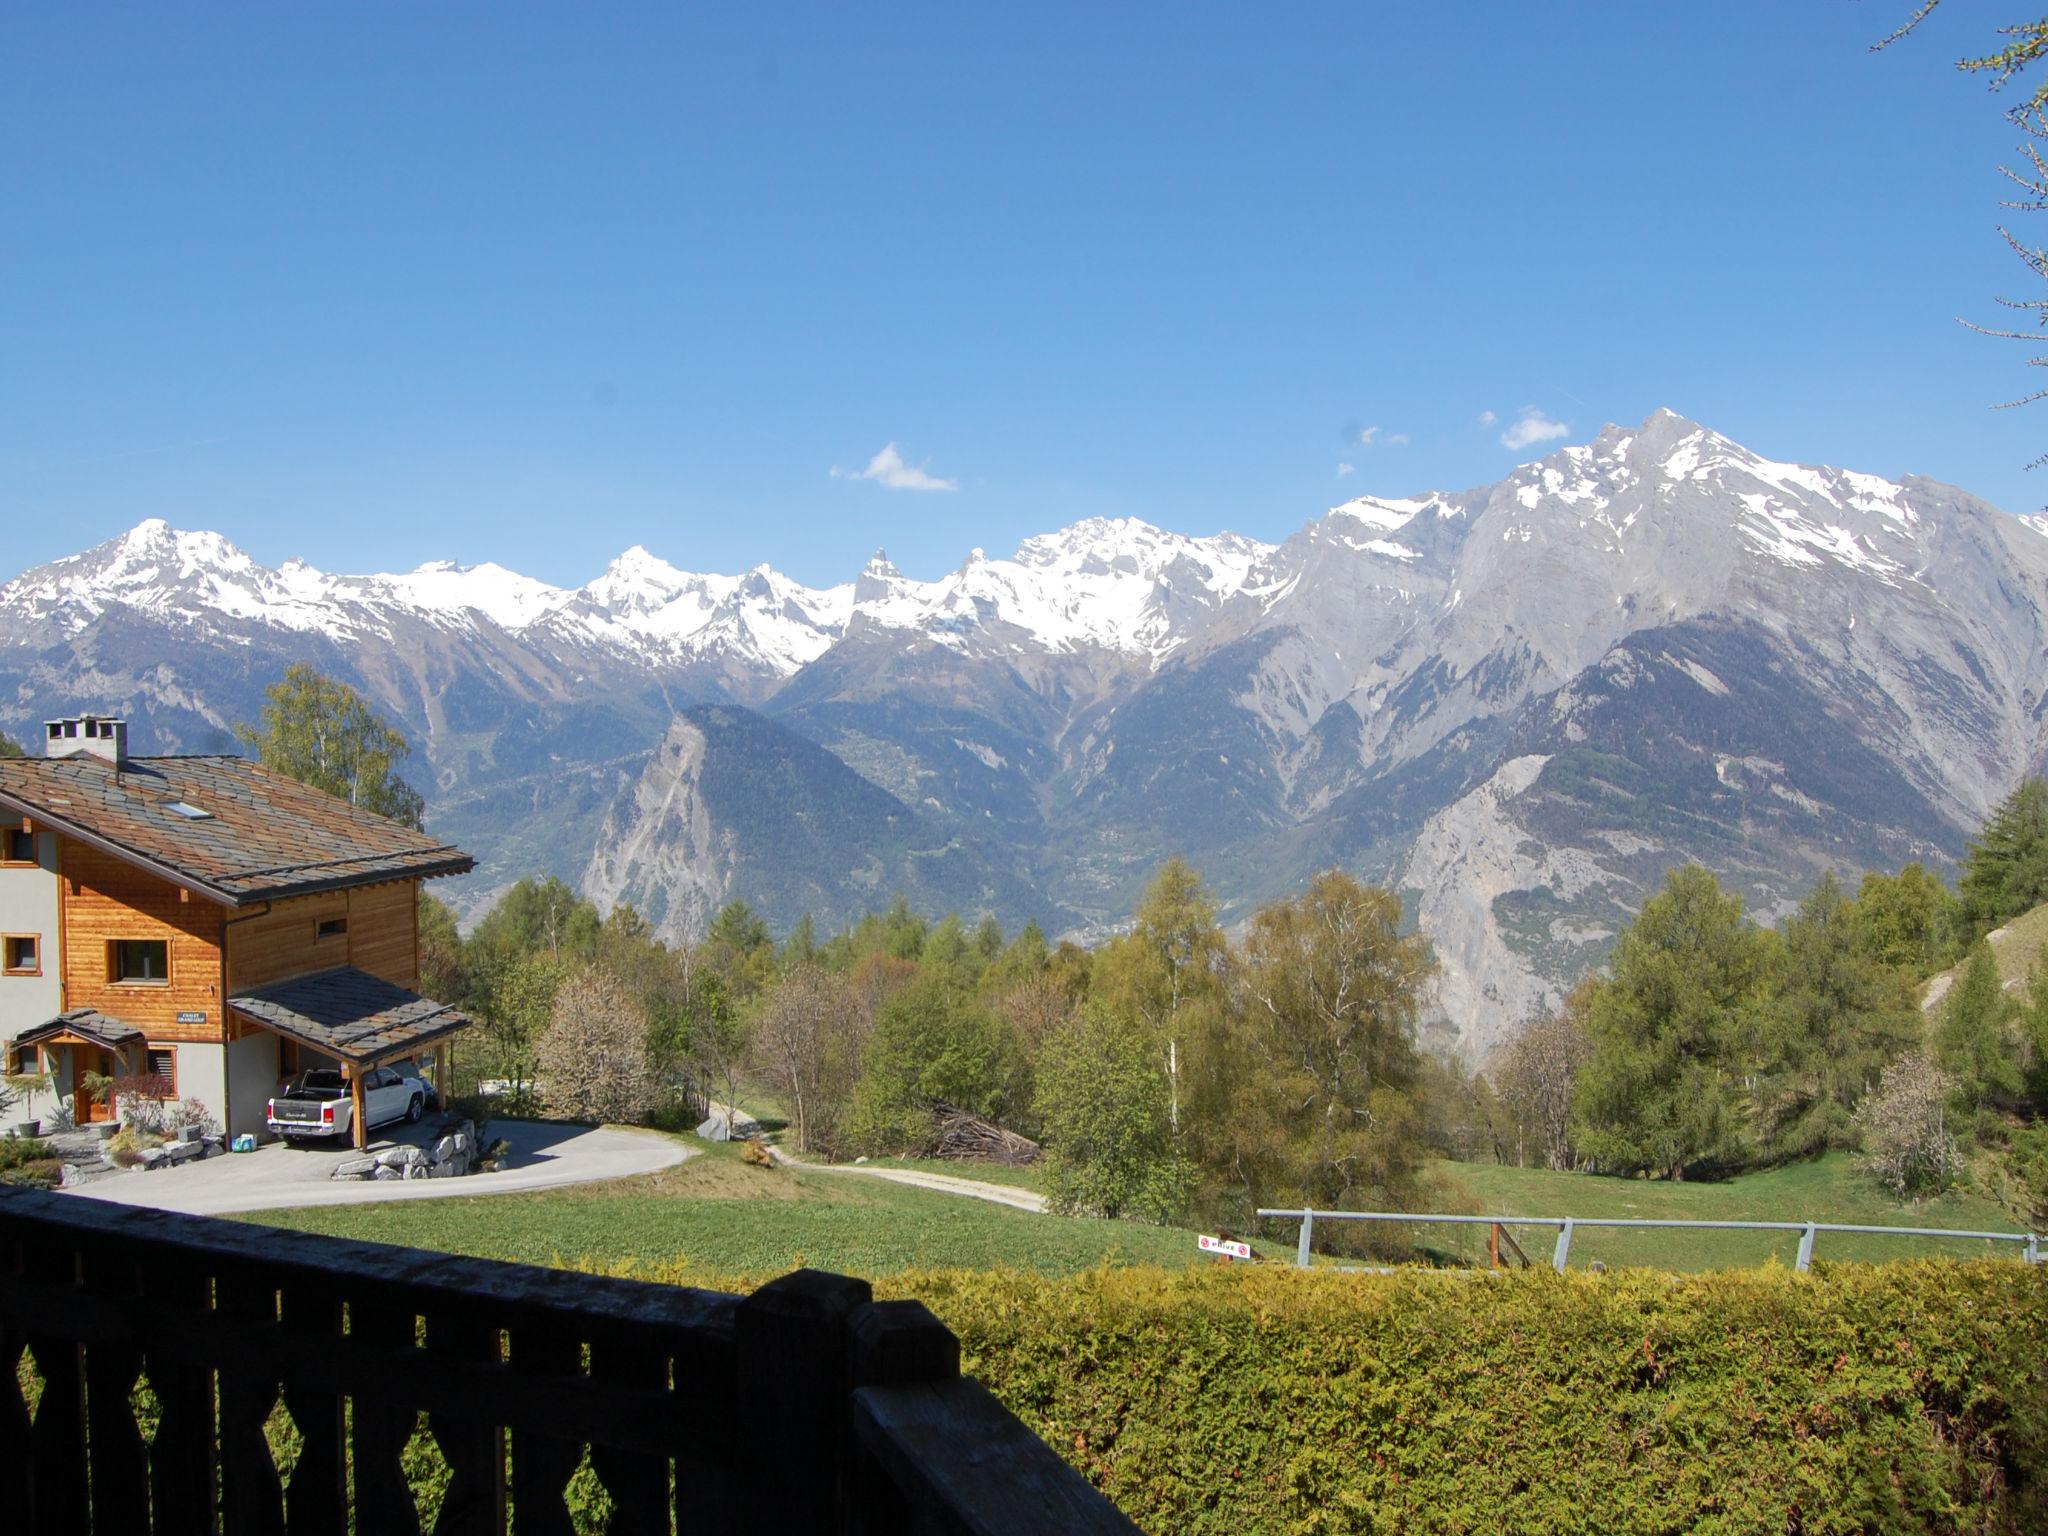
412 1111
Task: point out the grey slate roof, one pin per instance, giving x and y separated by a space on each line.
264 836
350 1014
88 1024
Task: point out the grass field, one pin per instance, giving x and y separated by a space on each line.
1826 1190
721 1216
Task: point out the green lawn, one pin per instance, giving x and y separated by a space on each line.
1826 1190
719 1216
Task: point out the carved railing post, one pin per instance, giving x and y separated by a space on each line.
796 1440
637 1482
113 1364
252 1501
183 1482
380 1426
474 1504
316 1494
543 1463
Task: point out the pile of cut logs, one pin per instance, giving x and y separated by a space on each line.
967 1138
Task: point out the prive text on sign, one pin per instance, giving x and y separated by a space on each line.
1225 1246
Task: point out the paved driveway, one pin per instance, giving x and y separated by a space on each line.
544 1156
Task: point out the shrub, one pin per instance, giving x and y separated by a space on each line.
15 1151
38 1173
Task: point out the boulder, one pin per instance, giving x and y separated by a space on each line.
355 1168
152 1158
386 1171
184 1151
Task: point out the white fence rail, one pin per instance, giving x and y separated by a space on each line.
2030 1243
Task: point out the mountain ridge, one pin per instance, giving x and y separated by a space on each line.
1520 701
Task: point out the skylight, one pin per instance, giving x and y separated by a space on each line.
187 810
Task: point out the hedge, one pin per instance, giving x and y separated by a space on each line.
1861 1398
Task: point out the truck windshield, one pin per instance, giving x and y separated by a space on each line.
318 1085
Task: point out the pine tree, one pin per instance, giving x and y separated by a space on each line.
1675 1033
1972 1041
2005 872
1841 1016
9 747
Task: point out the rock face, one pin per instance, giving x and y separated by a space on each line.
1521 703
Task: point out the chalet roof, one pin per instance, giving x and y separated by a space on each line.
259 836
88 1024
360 1018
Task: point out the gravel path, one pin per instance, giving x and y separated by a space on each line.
943 1183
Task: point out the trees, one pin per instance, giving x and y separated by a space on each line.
444 973
2005 873
1908 920
934 1043
807 1037
1537 1071
1102 1100
1332 992
1840 1016
1971 1041
9 747
322 732
1672 1032
593 1056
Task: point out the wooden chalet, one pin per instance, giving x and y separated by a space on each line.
204 922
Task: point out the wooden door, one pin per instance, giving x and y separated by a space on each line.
87 1107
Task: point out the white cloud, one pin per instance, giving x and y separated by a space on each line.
1487 418
1371 437
887 468
1346 469
1532 426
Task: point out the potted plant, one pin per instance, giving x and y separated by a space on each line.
22 1087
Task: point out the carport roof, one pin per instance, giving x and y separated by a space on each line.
350 1014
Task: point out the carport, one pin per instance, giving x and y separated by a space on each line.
360 1020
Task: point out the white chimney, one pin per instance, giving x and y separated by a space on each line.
93 734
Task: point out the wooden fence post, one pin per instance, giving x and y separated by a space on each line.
791 1341
893 1344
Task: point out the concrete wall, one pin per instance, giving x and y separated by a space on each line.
252 1078
201 1070
28 904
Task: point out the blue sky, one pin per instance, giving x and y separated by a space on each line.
536 283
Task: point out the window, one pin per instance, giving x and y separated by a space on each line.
162 1061
188 810
333 927
19 848
21 954
141 962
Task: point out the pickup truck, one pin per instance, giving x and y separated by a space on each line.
317 1102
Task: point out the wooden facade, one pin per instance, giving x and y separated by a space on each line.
103 901
214 952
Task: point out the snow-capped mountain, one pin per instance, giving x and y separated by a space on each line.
1521 702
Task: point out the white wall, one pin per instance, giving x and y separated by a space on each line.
200 1069
252 1078
28 904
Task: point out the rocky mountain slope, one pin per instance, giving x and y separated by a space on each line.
1521 703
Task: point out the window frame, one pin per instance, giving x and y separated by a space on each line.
325 928
6 956
7 849
115 978
150 1052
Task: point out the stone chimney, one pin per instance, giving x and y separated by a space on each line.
92 734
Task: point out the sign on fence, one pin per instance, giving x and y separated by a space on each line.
1224 1245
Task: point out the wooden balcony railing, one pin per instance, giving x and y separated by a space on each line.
805 1407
